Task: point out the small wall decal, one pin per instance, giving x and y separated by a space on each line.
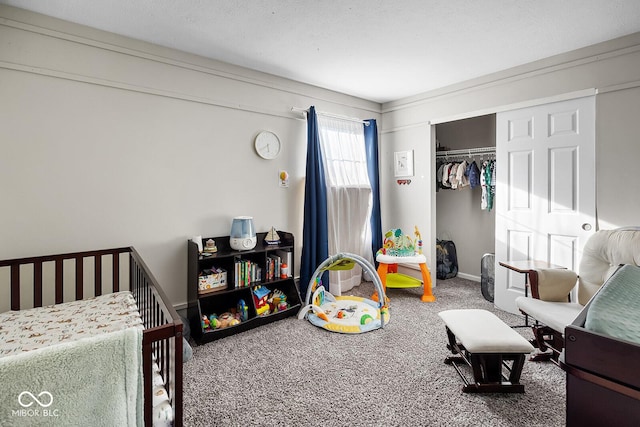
284 179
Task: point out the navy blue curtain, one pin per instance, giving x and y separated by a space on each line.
315 235
371 147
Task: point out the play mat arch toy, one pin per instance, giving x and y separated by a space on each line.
344 314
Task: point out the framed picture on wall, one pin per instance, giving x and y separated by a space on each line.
403 163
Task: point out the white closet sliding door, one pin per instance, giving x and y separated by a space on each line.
545 193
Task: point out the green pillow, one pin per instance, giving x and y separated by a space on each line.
613 310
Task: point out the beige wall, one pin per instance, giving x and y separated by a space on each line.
611 68
108 141
617 154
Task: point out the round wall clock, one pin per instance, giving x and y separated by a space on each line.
267 145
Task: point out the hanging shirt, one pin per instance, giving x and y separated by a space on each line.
461 175
483 185
489 178
493 182
439 168
473 173
445 176
453 180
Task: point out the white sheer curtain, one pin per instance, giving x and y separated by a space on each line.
349 197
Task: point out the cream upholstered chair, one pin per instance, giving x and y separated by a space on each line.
550 302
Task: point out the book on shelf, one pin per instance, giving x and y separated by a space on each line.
246 272
268 270
276 263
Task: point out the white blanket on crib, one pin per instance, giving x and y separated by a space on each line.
40 327
91 381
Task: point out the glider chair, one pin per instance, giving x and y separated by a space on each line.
550 304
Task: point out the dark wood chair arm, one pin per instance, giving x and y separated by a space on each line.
533 284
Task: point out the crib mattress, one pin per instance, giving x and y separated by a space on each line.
40 327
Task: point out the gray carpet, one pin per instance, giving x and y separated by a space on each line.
291 373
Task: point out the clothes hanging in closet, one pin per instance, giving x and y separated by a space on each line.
461 174
457 175
474 174
488 184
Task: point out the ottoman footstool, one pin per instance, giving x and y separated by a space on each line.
486 344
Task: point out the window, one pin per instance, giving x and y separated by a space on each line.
349 195
343 153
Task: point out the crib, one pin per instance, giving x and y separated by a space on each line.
57 279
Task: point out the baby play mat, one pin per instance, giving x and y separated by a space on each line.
345 314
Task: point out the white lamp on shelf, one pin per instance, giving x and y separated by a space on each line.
243 234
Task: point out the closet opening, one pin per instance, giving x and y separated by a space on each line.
466 215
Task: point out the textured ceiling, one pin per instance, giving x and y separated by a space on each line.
374 49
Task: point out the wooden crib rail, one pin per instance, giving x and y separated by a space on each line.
162 336
58 260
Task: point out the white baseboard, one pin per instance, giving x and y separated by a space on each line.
469 277
182 306
413 270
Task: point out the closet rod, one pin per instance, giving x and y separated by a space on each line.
334 116
469 151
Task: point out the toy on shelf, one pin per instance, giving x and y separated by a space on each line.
205 322
243 310
284 271
228 319
234 316
214 322
272 237
278 301
210 246
210 322
260 297
211 280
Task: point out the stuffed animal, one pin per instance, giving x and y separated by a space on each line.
228 319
